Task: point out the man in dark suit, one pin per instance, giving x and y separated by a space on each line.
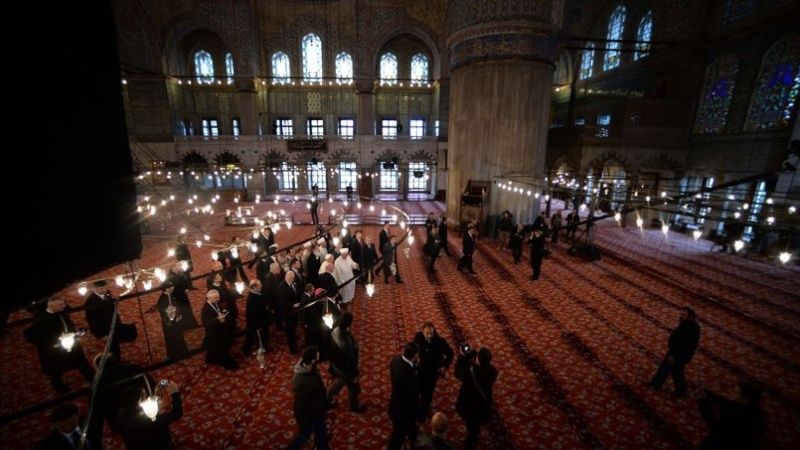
683 342
384 236
475 400
344 363
443 235
256 319
288 299
218 337
468 248
100 312
537 252
435 356
357 248
45 333
430 222
314 211
309 401
390 260
349 193
404 405
66 433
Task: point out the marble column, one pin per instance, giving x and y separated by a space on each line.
501 64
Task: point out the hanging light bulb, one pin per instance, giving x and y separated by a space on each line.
769 201
547 198
410 239
344 232
770 220
308 205
696 234
147 284
536 195
206 237
67 341
129 283
383 212
184 265
345 224
346 203
161 274
215 255
617 217
82 289
663 194
239 286
403 224
183 230
737 214
358 205
665 229
119 280
738 245
150 407
289 225
583 206
198 243
639 222
171 252
330 199
372 208
792 209
370 289
327 319
335 241
784 257
746 206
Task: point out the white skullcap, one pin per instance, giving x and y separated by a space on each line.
344 251
307 244
321 241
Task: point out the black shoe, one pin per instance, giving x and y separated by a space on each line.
232 366
60 387
359 409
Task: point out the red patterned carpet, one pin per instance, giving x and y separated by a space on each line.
573 349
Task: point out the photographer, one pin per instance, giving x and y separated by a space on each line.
435 356
474 403
139 431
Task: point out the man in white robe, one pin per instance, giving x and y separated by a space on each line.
343 271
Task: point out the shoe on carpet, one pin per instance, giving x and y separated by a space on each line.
359 409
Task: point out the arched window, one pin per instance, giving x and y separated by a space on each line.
774 101
204 67
587 61
229 67
316 176
616 26
312 58
388 68
281 72
344 68
419 69
712 114
643 35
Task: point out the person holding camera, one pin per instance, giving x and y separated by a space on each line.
435 356
141 432
475 403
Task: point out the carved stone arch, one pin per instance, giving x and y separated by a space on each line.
409 27
176 54
226 159
192 160
663 161
561 160
341 154
289 40
387 155
273 159
603 160
422 155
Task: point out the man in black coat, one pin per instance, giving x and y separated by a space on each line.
288 300
218 337
537 252
139 431
314 211
256 319
349 191
327 281
404 404
99 313
468 249
474 403
516 240
309 402
390 260
430 222
66 433
435 356
344 363
384 236
443 235
683 342
45 333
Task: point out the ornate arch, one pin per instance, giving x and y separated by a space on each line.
602 160
412 28
560 160
193 160
663 161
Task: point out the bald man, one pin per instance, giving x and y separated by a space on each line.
288 300
439 427
218 336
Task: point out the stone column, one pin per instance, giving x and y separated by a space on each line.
365 107
501 64
248 99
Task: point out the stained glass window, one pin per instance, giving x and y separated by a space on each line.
774 101
419 69
643 36
280 68
616 25
712 115
344 68
312 58
388 68
587 61
229 67
204 67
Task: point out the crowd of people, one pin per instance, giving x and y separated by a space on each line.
313 288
